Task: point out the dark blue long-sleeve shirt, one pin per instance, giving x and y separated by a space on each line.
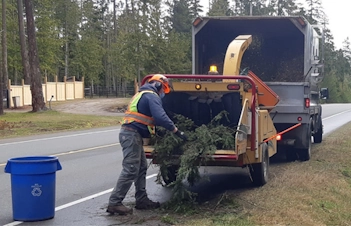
150 104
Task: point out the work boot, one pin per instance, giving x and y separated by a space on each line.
120 209
146 204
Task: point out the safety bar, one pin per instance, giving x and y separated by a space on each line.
221 77
281 133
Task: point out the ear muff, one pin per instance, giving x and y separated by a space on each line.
158 85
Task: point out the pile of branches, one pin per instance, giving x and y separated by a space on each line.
171 151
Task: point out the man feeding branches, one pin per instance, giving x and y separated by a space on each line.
144 111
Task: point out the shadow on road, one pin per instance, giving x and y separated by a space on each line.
217 180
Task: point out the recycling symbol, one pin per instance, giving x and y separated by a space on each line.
36 190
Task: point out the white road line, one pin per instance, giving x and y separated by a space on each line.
59 137
77 151
86 149
78 201
13 223
340 113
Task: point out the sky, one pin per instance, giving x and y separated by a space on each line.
339 15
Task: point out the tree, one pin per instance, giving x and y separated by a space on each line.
14 63
282 8
4 45
220 8
251 7
315 12
1 95
195 8
181 17
23 43
346 48
36 88
47 36
67 13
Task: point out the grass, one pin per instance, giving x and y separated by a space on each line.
27 123
317 192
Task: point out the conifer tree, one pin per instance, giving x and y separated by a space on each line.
36 88
220 8
181 17
284 7
315 12
250 7
195 8
346 48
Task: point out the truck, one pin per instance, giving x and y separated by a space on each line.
266 71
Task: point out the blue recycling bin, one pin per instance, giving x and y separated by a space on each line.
33 187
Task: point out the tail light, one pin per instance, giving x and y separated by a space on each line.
307 102
233 86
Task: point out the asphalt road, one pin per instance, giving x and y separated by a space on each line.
91 162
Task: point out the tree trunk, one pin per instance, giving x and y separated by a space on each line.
1 95
36 88
4 45
66 57
24 51
66 44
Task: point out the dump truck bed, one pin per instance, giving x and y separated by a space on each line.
282 54
281 48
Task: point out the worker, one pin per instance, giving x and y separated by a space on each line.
145 110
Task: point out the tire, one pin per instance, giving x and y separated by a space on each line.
317 137
171 175
259 171
305 154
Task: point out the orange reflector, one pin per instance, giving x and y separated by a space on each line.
301 22
307 102
197 86
233 87
278 137
197 21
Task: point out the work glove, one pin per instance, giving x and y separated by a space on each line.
181 135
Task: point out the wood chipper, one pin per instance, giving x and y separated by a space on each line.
247 100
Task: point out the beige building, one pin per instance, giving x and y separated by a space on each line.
20 95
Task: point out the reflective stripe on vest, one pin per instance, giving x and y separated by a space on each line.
132 114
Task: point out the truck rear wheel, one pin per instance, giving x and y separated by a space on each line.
259 171
317 137
171 175
305 154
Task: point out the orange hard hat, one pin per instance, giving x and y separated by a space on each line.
163 80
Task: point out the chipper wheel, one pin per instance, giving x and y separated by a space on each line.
259 171
171 174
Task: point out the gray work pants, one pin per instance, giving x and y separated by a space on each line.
134 168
